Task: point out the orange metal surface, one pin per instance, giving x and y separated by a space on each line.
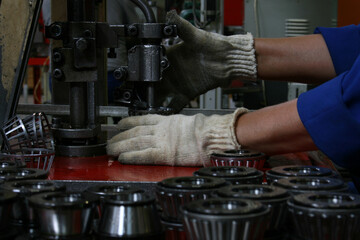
103 168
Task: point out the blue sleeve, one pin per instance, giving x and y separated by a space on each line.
331 115
343 44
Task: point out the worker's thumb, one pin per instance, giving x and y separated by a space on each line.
185 30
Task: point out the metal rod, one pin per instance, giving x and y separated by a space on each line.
151 95
146 9
78 105
104 111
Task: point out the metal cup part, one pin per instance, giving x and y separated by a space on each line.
330 216
106 190
22 174
273 197
233 174
225 218
22 213
298 185
242 157
173 193
64 214
11 164
130 215
280 172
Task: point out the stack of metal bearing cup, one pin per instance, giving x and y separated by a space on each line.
225 218
173 193
298 185
243 157
331 216
22 214
277 173
64 215
273 197
233 175
14 174
130 216
6 201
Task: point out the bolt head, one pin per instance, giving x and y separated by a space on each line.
57 57
58 74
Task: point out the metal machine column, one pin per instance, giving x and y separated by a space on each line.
79 63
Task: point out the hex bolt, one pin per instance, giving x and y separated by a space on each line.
57 57
88 33
168 30
164 63
58 74
127 95
120 73
81 44
132 30
56 30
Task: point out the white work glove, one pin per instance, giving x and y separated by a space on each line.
204 61
175 140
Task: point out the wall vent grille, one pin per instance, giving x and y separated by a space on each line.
296 27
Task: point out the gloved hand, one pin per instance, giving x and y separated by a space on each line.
204 61
173 140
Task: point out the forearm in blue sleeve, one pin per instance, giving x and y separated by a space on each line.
343 44
331 115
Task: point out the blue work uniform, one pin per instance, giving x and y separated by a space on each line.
331 111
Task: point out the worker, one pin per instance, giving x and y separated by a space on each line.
326 118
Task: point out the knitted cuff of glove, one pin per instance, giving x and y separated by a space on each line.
241 59
220 135
238 112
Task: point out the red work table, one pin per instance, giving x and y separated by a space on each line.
104 168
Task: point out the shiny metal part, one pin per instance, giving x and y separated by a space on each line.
280 172
130 215
273 197
242 157
298 185
39 129
106 190
230 219
338 214
173 193
22 213
232 174
15 135
7 164
22 174
64 215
